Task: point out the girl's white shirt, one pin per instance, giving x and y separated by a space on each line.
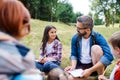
49 47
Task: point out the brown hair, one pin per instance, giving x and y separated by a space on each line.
12 16
115 39
87 21
46 36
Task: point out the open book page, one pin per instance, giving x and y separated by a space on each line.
76 72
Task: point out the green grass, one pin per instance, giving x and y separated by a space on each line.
65 34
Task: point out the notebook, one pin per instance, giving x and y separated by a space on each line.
76 72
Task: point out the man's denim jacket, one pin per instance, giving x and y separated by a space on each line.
100 40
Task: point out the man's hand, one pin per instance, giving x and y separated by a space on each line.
86 73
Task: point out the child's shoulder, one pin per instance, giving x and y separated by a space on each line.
57 41
117 74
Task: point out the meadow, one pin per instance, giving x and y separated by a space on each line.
65 33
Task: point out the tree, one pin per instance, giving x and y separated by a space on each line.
106 8
47 10
97 20
75 16
101 8
118 12
32 6
42 9
51 10
64 12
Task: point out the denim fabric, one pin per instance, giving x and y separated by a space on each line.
46 67
49 66
39 65
100 40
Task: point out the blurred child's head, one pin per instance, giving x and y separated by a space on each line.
14 18
57 74
115 44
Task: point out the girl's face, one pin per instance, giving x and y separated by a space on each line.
52 34
116 52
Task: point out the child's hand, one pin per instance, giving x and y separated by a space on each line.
50 59
102 77
68 68
42 60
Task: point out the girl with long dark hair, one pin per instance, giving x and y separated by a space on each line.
50 50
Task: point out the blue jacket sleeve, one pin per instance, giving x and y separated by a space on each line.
107 57
73 48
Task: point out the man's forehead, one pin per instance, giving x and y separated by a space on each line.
79 24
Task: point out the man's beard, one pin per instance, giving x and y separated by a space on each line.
82 34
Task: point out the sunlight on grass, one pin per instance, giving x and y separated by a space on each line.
65 34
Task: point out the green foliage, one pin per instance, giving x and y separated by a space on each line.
110 9
45 10
48 10
75 16
42 9
64 12
97 21
51 10
33 7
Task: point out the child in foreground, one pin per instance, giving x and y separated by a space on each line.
17 60
115 47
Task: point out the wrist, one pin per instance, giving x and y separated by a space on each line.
91 70
73 67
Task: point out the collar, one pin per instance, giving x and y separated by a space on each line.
92 33
6 37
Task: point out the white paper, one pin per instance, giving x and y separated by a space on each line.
76 72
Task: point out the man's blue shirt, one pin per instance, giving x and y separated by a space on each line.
100 40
